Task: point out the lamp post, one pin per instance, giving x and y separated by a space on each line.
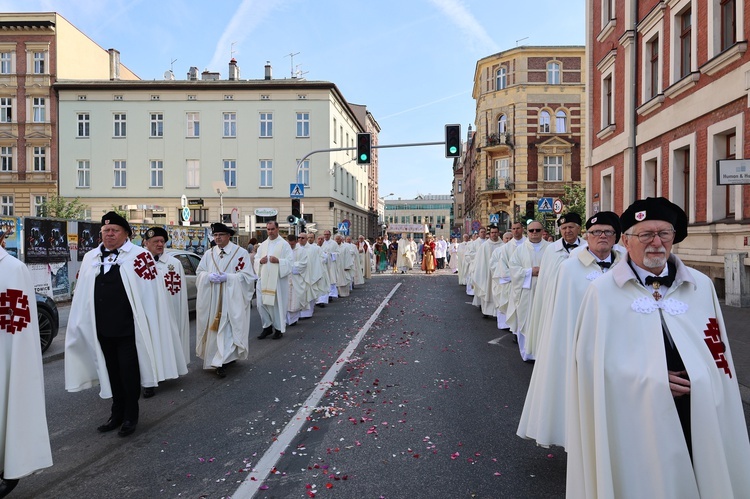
220 187
384 222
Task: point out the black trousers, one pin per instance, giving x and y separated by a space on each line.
121 357
441 263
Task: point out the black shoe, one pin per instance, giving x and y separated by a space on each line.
111 424
277 335
149 392
7 486
221 372
128 427
267 331
321 305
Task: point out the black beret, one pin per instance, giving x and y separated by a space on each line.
112 218
656 209
219 227
606 218
155 232
571 217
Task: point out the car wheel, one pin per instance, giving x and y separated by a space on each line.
46 328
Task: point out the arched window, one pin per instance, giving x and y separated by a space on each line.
501 78
553 73
544 119
502 124
561 122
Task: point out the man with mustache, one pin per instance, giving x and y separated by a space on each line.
654 408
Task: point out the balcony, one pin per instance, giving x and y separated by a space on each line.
497 184
494 140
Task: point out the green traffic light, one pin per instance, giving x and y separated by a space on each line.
363 157
453 149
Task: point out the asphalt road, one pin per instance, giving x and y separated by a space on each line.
422 406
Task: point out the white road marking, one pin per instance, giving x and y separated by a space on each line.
251 485
496 341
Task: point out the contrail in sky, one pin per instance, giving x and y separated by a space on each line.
426 104
457 12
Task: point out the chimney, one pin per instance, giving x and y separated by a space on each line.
192 74
234 70
268 70
468 134
207 75
114 64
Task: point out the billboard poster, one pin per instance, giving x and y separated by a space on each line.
88 237
9 225
57 241
35 245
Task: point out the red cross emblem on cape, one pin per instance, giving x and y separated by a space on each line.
716 346
15 313
144 266
173 282
240 264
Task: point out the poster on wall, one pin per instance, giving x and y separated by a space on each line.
35 244
59 281
177 237
57 241
139 230
9 226
88 237
41 278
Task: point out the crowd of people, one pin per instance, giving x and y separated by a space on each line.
633 375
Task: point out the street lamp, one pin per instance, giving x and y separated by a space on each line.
220 187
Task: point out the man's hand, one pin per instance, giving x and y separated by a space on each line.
534 271
679 383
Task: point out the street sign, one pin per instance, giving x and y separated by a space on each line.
495 218
476 225
557 206
195 202
343 229
296 191
183 201
544 205
186 214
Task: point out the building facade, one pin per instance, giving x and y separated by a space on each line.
668 98
435 211
37 49
231 147
530 125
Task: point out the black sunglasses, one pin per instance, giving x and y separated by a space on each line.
534 230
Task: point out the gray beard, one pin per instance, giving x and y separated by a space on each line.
655 261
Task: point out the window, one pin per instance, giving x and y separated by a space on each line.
39 158
553 73
502 124
6 206
83 172
304 173
6 63
501 78
544 120
6 110
561 122
460 186
266 124
6 159
157 125
230 124
266 173
39 63
193 124
83 124
39 202
303 124
230 172
38 109
553 168
121 179
192 173
346 144
120 123
728 29
607 102
608 11
157 173
334 130
502 169
685 43
652 73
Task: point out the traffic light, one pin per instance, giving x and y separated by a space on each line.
297 208
364 148
529 210
452 141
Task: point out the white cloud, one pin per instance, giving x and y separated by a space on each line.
456 11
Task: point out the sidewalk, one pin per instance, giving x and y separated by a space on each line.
736 319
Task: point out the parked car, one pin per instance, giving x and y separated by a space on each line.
49 320
190 262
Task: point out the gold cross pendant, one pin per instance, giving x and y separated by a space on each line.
657 295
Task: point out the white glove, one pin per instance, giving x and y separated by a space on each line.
295 271
333 257
217 278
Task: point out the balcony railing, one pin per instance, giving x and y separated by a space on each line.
499 139
498 184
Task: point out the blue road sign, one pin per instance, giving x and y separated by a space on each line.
545 205
494 218
296 191
344 229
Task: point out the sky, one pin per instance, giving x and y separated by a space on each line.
411 62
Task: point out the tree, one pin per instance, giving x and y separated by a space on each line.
574 199
60 207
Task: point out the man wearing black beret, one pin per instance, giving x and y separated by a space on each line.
652 385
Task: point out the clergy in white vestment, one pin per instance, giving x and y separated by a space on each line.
224 282
441 251
365 257
331 251
24 438
356 270
172 278
324 284
484 265
297 282
544 412
404 260
501 276
654 407
524 272
273 264
469 257
460 252
544 296
314 283
452 253
342 266
113 334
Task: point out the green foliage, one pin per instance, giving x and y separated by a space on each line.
59 207
574 199
123 213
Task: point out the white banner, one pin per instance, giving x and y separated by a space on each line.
420 228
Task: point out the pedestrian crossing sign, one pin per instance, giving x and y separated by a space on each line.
296 191
544 205
494 219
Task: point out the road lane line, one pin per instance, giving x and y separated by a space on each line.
251 485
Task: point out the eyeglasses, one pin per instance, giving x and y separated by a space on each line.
666 236
534 230
608 233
